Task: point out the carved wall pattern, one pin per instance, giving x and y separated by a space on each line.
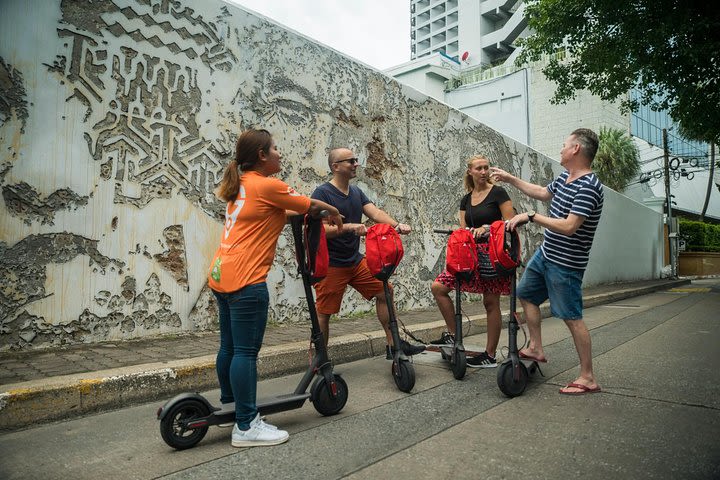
142 107
154 94
164 91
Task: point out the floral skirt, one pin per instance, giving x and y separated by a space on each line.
476 284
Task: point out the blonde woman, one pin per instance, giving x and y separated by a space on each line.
483 204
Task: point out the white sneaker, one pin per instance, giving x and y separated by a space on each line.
259 434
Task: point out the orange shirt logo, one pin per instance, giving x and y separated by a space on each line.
231 217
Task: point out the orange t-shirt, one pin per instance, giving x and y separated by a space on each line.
253 223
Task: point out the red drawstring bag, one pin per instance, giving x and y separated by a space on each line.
316 250
504 248
461 256
383 250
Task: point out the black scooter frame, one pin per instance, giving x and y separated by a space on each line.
402 370
514 372
455 353
185 419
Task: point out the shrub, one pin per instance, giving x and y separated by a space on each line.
699 236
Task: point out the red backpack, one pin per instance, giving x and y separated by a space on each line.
383 250
316 250
461 256
504 248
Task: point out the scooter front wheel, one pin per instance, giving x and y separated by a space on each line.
174 429
506 380
324 402
458 363
404 375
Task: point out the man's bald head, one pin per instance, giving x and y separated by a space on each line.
337 154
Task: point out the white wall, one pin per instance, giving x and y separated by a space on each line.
500 103
628 244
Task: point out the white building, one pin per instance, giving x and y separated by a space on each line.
477 32
463 54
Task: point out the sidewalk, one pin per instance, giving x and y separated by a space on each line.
44 385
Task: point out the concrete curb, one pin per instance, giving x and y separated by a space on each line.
39 401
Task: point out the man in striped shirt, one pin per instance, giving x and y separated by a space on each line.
556 270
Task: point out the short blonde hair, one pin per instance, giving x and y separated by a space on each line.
468 180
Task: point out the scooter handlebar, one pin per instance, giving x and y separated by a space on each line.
484 236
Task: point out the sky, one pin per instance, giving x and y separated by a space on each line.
376 32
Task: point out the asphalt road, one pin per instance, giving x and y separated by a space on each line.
656 358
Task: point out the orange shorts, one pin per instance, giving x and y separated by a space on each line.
329 292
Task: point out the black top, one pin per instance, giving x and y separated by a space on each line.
344 250
487 211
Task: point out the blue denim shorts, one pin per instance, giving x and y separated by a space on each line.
543 280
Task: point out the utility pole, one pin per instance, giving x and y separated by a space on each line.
671 235
710 181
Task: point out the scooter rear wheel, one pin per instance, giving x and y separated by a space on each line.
459 364
508 385
323 401
173 427
404 375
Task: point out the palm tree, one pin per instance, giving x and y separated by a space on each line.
617 161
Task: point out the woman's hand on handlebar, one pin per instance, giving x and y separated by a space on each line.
480 232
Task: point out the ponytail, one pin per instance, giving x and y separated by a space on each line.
229 186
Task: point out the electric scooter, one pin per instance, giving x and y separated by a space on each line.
455 353
514 372
402 370
185 419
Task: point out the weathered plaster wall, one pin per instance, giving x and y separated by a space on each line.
116 120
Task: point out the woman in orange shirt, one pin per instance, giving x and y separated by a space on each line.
257 207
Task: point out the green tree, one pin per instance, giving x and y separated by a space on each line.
668 49
617 160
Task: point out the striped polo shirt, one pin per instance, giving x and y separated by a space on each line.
584 197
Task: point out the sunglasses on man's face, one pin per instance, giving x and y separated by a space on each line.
351 161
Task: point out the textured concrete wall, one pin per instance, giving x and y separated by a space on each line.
116 120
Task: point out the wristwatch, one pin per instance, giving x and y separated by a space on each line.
531 216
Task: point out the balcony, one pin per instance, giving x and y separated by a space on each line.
438 10
500 41
438 39
423 18
497 9
437 25
421 5
423 32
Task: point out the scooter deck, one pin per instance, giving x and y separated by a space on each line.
531 365
281 403
439 348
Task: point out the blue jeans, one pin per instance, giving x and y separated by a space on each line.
543 279
243 316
